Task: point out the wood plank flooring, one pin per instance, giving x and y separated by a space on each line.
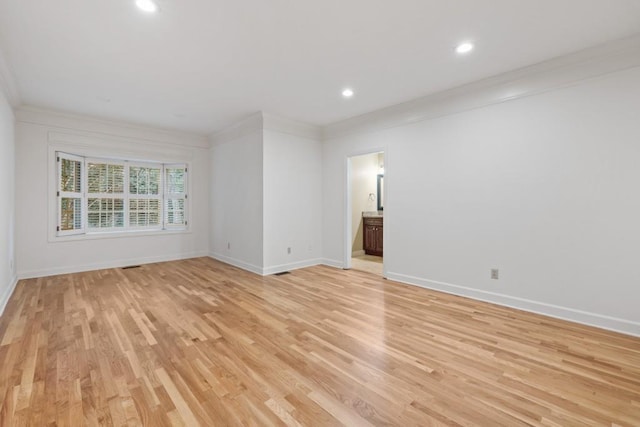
198 342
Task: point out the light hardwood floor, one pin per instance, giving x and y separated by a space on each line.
368 263
198 342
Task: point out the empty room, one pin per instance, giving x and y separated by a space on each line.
358 213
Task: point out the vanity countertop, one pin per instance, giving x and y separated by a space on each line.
372 214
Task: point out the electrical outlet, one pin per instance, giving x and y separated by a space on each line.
495 273
229 245
289 250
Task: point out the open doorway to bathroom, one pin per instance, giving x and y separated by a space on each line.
367 212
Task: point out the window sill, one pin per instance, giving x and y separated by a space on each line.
117 235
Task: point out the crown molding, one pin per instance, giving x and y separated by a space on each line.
8 83
281 124
74 122
555 73
261 121
248 125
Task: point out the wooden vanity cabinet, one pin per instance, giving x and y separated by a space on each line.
372 235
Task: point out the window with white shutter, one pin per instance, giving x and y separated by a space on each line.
69 193
104 195
145 196
175 196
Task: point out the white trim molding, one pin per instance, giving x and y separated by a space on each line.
291 266
236 263
291 127
551 310
332 263
556 73
4 299
260 122
69 123
264 271
109 264
247 126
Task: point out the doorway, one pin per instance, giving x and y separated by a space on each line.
365 213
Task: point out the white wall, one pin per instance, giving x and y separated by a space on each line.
7 206
292 201
39 133
237 201
266 194
364 181
545 188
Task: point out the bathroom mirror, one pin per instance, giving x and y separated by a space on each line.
380 192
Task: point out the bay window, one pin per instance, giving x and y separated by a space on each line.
105 195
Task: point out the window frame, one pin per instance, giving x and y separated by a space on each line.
85 232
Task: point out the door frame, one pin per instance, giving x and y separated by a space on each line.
347 226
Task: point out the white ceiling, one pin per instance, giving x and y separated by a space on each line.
200 65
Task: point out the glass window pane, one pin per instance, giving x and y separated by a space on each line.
144 180
94 174
105 178
105 213
70 214
144 212
133 180
175 180
116 179
93 219
175 211
70 175
154 181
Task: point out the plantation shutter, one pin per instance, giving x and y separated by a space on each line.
145 196
105 195
175 197
69 194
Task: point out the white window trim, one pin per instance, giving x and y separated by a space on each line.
85 234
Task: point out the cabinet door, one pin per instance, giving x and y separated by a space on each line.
369 238
379 240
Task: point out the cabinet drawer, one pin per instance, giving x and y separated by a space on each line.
373 221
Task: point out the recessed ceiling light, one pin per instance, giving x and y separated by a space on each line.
148 6
465 47
347 93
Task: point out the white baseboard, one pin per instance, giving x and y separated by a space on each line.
357 253
592 319
264 271
108 264
291 266
332 263
236 263
4 299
